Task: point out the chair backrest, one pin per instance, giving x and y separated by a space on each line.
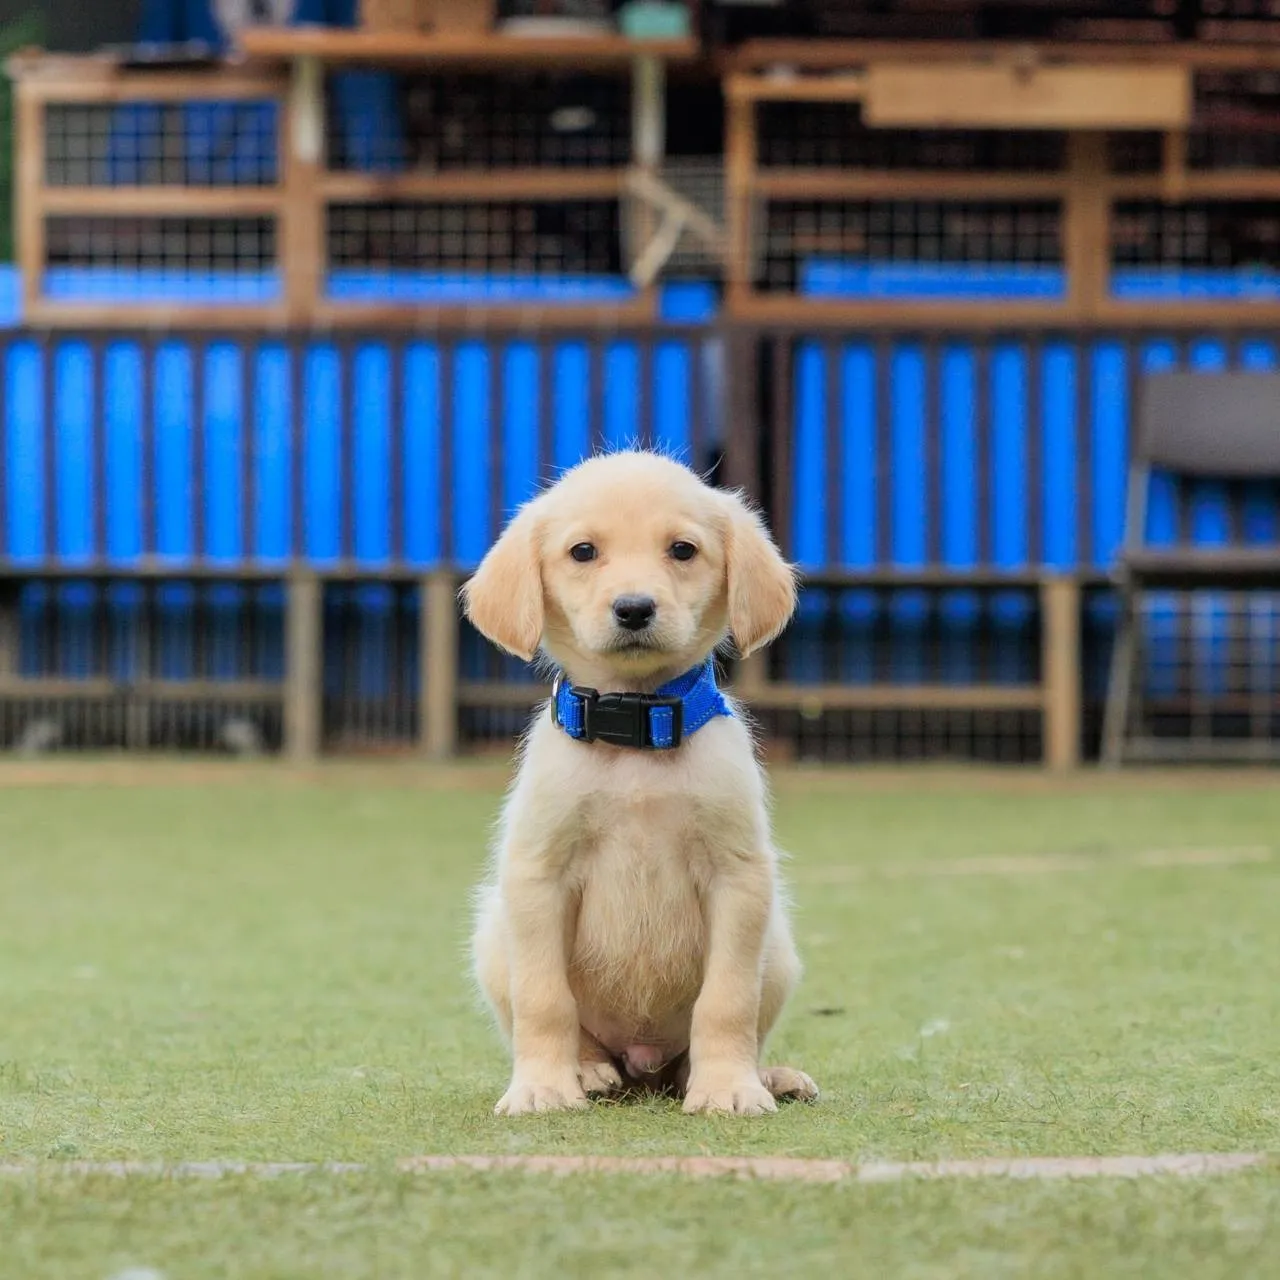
1224 425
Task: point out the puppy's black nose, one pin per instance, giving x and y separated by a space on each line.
634 612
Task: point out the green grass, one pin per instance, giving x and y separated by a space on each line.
274 968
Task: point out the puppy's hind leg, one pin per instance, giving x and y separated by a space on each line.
781 973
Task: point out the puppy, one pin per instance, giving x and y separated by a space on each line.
634 926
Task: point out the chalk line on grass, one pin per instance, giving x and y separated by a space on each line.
762 1168
1031 864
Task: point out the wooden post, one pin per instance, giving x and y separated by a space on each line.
8 632
1087 225
301 223
28 194
739 175
1060 665
438 664
304 639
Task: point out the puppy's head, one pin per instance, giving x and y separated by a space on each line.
631 565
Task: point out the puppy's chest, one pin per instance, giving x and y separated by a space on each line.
654 841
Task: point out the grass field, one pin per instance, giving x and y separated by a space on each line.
202 964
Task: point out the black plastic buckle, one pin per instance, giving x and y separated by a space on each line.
622 719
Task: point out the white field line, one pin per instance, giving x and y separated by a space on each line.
765 1168
1032 864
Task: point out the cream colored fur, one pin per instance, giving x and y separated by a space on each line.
635 914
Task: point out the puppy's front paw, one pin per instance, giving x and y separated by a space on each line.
738 1095
554 1091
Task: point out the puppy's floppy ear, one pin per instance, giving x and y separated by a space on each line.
761 585
503 599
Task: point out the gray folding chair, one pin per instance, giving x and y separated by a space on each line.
1194 427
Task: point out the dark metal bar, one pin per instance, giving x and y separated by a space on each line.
644 407
595 393
497 440
982 448
1035 453
448 353
147 447
199 442
297 447
932 451
395 449
884 451
782 429
98 446
346 448
835 479
546 412
1084 454
248 451
49 459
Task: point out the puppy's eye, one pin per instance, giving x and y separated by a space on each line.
683 551
583 552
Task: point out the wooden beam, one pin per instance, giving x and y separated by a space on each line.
161 201
29 171
848 88
304 640
845 55
478 317
908 95
438 664
1060 664
792 311
830 183
95 78
1086 224
479 185
739 193
182 691
817 698
43 313
300 241
425 49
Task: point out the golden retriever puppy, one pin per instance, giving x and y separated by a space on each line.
634 929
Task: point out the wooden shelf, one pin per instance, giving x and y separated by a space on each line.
465 185
845 55
45 77
279 44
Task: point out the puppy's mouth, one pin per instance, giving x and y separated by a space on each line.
635 643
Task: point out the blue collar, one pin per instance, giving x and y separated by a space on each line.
648 721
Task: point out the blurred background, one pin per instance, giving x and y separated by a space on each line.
302 298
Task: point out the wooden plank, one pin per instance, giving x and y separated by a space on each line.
850 87
304 637
300 231
481 317
94 78
159 201
817 698
912 96
438 664
29 165
1086 225
500 693
989 314
829 183
489 49
42 313
1060 663
475 185
740 159
151 690
843 55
